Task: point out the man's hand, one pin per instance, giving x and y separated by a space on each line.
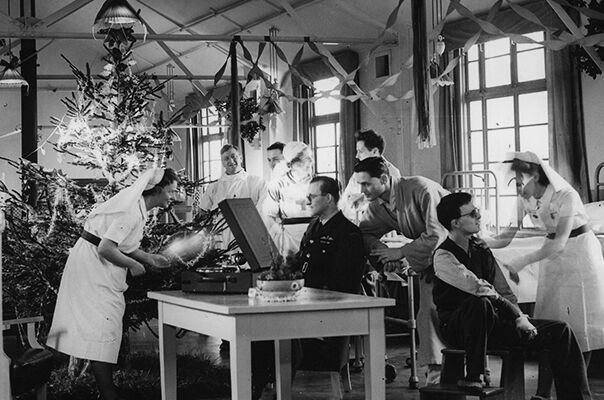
525 327
386 255
393 266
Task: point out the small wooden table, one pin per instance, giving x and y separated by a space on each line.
241 319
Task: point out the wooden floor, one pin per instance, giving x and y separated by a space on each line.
317 386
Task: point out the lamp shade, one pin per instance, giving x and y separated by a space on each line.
11 78
116 12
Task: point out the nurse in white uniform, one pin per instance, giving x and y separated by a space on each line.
87 322
571 272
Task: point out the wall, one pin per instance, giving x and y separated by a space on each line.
593 93
393 120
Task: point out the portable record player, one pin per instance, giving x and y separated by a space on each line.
254 241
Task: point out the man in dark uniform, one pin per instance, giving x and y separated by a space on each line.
331 252
332 257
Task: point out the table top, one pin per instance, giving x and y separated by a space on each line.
306 300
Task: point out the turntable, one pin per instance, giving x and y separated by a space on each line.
254 241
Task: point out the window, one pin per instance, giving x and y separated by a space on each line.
506 109
325 128
206 136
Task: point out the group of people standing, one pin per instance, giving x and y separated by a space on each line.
465 300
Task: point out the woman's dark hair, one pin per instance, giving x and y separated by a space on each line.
169 177
530 168
448 208
371 140
328 185
374 166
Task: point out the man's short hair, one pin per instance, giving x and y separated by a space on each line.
371 140
448 208
276 146
374 166
328 185
228 147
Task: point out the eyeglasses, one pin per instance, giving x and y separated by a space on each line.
475 213
311 197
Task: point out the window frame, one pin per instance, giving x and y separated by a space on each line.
199 135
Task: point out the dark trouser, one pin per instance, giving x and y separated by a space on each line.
477 325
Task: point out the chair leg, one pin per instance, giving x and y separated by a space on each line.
41 392
336 389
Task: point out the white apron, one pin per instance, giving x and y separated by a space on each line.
87 321
571 283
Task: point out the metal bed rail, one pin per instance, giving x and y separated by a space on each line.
487 177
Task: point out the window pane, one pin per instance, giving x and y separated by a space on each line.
205 154
473 76
326 105
215 169
500 112
326 160
473 53
206 171
475 115
215 146
526 46
325 135
476 147
532 108
497 71
508 214
497 47
535 139
500 141
531 65
503 175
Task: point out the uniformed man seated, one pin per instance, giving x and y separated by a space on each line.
332 257
331 253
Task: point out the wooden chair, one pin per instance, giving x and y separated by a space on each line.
30 366
511 382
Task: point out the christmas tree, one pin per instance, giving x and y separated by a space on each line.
109 126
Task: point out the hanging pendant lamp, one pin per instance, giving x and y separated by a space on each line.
116 13
10 77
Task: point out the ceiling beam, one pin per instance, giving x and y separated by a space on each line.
198 38
67 77
55 17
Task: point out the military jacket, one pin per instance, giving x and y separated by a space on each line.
332 256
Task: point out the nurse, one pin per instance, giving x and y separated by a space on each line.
571 274
87 322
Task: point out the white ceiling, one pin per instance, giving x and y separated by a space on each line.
360 19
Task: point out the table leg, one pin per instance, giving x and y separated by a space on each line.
375 349
167 358
283 368
241 368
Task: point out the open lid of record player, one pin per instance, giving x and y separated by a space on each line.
250 232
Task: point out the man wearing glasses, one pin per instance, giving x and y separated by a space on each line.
477 309
408 206
331 252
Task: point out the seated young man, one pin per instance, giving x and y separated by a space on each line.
477 309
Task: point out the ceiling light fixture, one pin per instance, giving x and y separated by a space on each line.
116 13
11 78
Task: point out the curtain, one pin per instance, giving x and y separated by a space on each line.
449 120
565 114
350 122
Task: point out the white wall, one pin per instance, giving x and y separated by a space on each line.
593 109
